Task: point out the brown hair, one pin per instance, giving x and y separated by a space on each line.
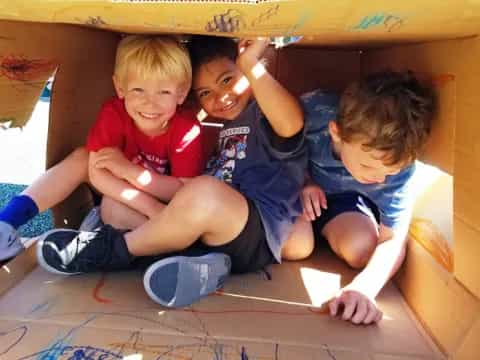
387 111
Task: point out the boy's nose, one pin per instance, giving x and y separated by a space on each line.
149 100
225 98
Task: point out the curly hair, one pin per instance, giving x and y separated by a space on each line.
388 111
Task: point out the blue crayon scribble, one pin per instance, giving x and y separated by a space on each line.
57 350
244 355
390 21
44 306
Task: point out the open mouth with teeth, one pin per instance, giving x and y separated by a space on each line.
149 116
228 105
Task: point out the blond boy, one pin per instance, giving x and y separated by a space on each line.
138 149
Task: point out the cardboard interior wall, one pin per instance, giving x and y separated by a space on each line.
84 60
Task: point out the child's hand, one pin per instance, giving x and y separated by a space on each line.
250 52
313 201
113 160
358 308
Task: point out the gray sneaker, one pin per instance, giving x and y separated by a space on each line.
10 244
181 281
92 221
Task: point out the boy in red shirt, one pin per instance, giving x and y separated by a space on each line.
138 138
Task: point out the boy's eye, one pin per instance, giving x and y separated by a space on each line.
202 94
137 90
165 92
226 79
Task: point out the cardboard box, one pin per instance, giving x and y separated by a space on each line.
110 317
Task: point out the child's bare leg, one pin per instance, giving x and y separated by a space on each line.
204 207
59 181
120 215
353 237
300 243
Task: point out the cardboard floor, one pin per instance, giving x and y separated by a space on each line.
263 316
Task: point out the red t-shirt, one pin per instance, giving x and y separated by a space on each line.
176 152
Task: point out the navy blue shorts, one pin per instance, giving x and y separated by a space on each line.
344 202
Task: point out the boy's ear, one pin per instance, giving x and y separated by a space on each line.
118 87
334 131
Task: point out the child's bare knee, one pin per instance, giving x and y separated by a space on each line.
298 249
358 251
198 199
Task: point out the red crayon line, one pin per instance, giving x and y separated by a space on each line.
97 289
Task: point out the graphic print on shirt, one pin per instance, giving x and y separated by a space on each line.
151 162
232 146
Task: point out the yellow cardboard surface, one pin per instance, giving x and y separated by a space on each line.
432 222
329 21
469 349
264 319
31 53
442 305
453 148
451 65
466 255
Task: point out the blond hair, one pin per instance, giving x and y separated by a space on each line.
162 57
387 111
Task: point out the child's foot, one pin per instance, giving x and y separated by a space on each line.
92 221
10 244
69 252
180 281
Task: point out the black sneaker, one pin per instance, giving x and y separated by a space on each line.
70 252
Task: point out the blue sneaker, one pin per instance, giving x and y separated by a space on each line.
71 252
10 244
181 281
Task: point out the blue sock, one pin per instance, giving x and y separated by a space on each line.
19 211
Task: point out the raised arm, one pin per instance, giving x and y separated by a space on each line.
282 109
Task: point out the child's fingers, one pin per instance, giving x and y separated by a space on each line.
307 209
99 164
316 201
333 306
323 200
350 307
372 314
361 312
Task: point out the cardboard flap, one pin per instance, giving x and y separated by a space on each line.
329 21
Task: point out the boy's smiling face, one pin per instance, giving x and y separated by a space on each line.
367 166
150 102
221 89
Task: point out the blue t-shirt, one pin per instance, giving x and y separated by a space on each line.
392 197
269 174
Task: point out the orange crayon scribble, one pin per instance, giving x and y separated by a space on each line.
20 68
442 79
426 234
96 291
